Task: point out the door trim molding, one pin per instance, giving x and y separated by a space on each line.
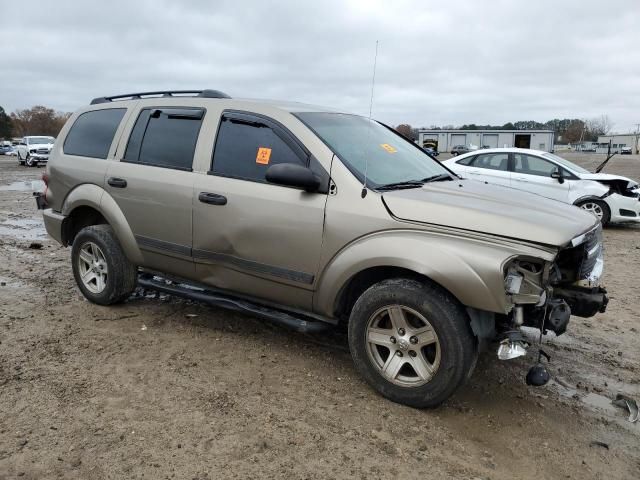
147 243
256 267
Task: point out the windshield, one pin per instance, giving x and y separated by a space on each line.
355 139
39 140
565 163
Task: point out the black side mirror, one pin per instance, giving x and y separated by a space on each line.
557 174
293 175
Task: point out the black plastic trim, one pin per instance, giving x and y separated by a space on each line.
207 93
230 302
285 273
147 242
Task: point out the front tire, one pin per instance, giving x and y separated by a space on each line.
102 271
411 341
29 162
598 208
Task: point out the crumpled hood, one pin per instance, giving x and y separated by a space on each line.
492 209
607 176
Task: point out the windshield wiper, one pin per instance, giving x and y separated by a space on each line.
401 185
437 178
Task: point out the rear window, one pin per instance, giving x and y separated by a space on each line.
165 137
92 133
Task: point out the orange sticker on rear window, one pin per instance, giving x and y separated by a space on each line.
263 156
388 148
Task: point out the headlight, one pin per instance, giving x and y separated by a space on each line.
524 280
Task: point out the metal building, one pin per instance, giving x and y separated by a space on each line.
445 140
618 141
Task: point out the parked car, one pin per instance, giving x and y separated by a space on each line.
33 150
260 207
459 150
612 198
626 151
6 149
431 151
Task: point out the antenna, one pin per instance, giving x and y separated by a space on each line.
373 84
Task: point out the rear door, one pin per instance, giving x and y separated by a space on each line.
250 236
153 183
533 174
492 167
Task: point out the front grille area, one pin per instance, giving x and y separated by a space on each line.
592 252
584 262
43 151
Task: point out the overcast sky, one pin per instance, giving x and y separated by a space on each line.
439 62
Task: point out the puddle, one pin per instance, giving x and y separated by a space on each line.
25 186
23 229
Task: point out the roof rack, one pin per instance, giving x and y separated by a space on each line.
164 93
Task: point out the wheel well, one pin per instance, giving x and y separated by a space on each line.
78 219
361 281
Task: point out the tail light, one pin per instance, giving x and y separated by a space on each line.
45 179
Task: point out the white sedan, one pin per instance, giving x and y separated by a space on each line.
612 198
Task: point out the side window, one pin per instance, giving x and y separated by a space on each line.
530 165
165 137
466 161
492 161
247 145
92 133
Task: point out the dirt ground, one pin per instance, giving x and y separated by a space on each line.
165 388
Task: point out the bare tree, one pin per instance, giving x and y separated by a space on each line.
38 120
407 131
598 126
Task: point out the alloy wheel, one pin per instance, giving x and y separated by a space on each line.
93 269
403 346
593 208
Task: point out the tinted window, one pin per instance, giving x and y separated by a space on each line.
246 146
92 133
466 161
492 161
165 137
531 165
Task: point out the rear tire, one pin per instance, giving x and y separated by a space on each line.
102 271
598 208
422 362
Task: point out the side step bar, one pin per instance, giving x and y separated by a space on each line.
232 303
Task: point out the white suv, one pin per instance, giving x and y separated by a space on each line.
612 198
33 150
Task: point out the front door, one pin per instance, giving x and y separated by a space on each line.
153 185
250 236
533 174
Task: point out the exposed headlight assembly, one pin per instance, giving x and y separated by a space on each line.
524 280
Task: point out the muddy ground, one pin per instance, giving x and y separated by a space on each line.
164 388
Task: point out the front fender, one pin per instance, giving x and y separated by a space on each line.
90 195
471 269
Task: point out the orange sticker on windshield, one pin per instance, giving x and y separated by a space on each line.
388 148
263 156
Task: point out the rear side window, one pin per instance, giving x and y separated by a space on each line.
492 161
92 133
247 145
165 137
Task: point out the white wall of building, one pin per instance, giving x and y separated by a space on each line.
447 139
